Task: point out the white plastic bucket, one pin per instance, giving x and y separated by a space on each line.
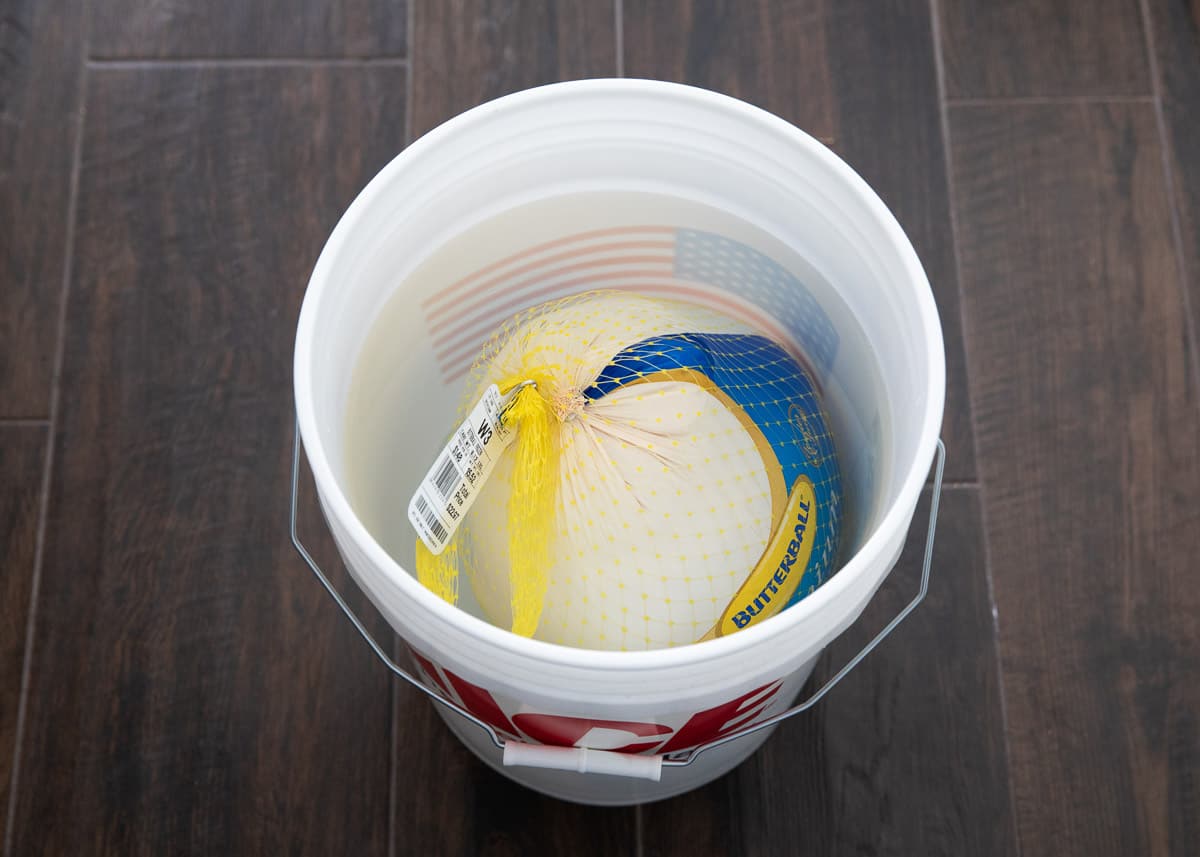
510 175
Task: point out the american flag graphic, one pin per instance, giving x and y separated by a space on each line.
661 261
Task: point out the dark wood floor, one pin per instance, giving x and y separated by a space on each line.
173 681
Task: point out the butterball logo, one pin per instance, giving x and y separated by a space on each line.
784 570
778 572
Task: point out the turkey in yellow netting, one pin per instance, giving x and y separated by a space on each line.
671 477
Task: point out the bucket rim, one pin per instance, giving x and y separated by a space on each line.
895 519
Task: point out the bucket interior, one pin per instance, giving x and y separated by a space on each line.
443 249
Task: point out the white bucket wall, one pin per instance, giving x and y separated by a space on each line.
706 151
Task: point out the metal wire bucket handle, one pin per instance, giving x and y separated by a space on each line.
587 760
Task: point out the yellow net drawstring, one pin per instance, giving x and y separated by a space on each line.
531 506
531 510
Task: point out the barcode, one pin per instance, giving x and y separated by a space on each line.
448 478
431 521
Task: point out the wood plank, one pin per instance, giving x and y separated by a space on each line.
889 129
22 459
1090 462
193 690
1177 45
41 51
447 802
773 54
466 52
862 78
1017 48
905 756
183 29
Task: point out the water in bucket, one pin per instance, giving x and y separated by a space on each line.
652 244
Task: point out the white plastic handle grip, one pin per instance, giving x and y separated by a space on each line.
583 760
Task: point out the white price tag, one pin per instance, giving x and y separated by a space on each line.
452 484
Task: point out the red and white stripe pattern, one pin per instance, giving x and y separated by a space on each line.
461 317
